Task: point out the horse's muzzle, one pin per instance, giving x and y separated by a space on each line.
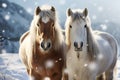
78 46
45 45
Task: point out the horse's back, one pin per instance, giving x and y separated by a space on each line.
106 36
111 42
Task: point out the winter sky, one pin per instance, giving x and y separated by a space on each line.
99 10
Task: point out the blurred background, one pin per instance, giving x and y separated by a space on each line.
16 16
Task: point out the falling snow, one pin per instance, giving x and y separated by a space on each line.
36 3
106 44
29 10
24 0
49 64
66 71
13 21
3 31
94 17
20 11
100 9
4 5
100 56
92 66
106 21
7 17
85 65
95 4
103 26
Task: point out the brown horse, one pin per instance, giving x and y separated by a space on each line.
42 47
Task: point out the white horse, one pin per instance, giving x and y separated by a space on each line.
91 54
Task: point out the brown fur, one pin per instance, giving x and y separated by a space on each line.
31 55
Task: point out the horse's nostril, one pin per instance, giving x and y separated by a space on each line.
48 45
45 45
75 44
81 45
42 44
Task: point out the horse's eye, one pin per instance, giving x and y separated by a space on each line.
70 26
52 24
85 26
38 25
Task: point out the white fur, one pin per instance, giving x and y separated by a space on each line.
45 19
83 68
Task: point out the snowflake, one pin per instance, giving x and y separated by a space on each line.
29 10
36 3
7 17
56 61
75 75
93 66
60 59
103 26
85 65
100 56
3 51
100 9
66 71
3 39
49 64
46 78
24 0
95 4
3 31
106 21
8 13
13 21
105 43
94 17
4 5
20 11
8 38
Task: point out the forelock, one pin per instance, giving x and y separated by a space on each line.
46 12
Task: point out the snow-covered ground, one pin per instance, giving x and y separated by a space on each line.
11 68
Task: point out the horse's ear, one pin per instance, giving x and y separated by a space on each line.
37 10
52 9
69 12
85 12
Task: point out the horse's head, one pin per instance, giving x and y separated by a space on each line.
45 23
76 28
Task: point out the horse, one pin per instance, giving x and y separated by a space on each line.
91 54
42 46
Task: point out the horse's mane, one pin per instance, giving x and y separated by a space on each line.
92 47
45 11
91 41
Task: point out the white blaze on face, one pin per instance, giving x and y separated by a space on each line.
45 19
77 32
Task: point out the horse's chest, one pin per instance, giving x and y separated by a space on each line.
50 65
76 65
